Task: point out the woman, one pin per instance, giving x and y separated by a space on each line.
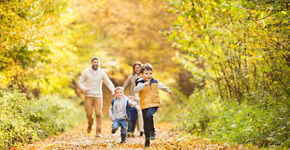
130 85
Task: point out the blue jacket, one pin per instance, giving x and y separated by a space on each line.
132 113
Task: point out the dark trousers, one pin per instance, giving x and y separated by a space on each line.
131 125
148 120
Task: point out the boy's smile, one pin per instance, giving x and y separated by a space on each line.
119 94
147 75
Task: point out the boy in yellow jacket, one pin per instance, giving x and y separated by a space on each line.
148 89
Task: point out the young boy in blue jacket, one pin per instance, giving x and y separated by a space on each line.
132 118
119 112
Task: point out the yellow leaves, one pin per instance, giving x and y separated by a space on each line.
167 138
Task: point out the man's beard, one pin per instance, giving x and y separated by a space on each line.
95 67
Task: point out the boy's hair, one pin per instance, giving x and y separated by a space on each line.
118 88
146 67
95 58
136 64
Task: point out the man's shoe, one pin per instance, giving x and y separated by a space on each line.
89 129
113 131
98 135
141 133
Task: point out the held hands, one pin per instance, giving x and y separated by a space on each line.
134 104
170 92
87 90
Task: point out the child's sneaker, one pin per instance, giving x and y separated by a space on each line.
147 142
123 141
113 131
152 136
123 138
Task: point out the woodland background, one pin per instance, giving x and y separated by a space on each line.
227 63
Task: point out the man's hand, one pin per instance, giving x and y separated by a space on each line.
87 90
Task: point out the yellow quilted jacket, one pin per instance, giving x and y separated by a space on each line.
149 96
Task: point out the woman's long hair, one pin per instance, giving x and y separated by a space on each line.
137 63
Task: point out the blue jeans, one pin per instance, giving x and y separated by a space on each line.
148 120
120 122
131 125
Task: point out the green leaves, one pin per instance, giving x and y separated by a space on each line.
238 40
239 48
24 121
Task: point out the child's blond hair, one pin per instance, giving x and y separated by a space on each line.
118 88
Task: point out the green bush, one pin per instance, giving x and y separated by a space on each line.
243 123
229 121
25 121
197 111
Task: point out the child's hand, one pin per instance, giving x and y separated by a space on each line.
146 83
134 104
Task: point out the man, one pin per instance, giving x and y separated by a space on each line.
91 83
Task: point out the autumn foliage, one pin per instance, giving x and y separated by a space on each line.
227 63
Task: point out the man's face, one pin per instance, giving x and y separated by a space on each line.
147 75
137 69
119 94
95 64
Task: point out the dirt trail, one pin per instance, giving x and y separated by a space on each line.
166 139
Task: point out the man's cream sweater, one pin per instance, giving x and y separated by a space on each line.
92 80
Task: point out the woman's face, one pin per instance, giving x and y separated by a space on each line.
137 69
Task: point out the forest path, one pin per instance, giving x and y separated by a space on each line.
167 138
